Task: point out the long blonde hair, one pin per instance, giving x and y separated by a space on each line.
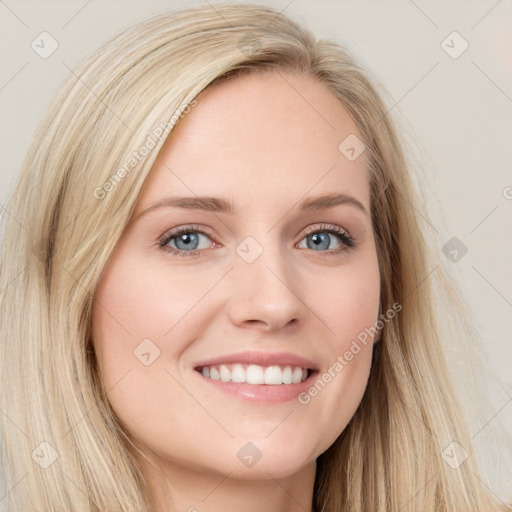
63 448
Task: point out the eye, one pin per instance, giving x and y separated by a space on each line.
191 240
321 238
185 241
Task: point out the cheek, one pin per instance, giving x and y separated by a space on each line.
143 318
347 301
348 308
134 307
137 302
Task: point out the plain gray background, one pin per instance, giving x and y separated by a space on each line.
455 110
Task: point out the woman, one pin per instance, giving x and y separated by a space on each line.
218 297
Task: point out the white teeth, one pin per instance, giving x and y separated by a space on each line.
238 373
225 374
256 374
297 374
287 375
273 375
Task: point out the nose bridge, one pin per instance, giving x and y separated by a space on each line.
263 279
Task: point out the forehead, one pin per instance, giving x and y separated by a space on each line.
257 136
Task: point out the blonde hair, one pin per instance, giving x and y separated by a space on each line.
78 187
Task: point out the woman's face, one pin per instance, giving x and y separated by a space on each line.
259 287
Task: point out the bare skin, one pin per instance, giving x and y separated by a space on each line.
266 143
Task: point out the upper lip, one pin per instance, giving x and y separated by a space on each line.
260 358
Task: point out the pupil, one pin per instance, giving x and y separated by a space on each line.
320 240
187 240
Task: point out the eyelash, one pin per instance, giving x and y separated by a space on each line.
343 236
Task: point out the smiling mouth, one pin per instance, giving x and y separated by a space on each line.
256 374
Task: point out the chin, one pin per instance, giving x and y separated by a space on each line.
263 459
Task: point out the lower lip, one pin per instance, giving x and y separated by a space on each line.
261 392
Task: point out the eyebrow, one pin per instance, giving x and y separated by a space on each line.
221 205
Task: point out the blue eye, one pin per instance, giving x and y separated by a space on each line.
320 239
186 241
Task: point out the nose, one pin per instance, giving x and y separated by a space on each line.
266 294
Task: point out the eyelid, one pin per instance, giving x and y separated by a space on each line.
325 227
184 228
